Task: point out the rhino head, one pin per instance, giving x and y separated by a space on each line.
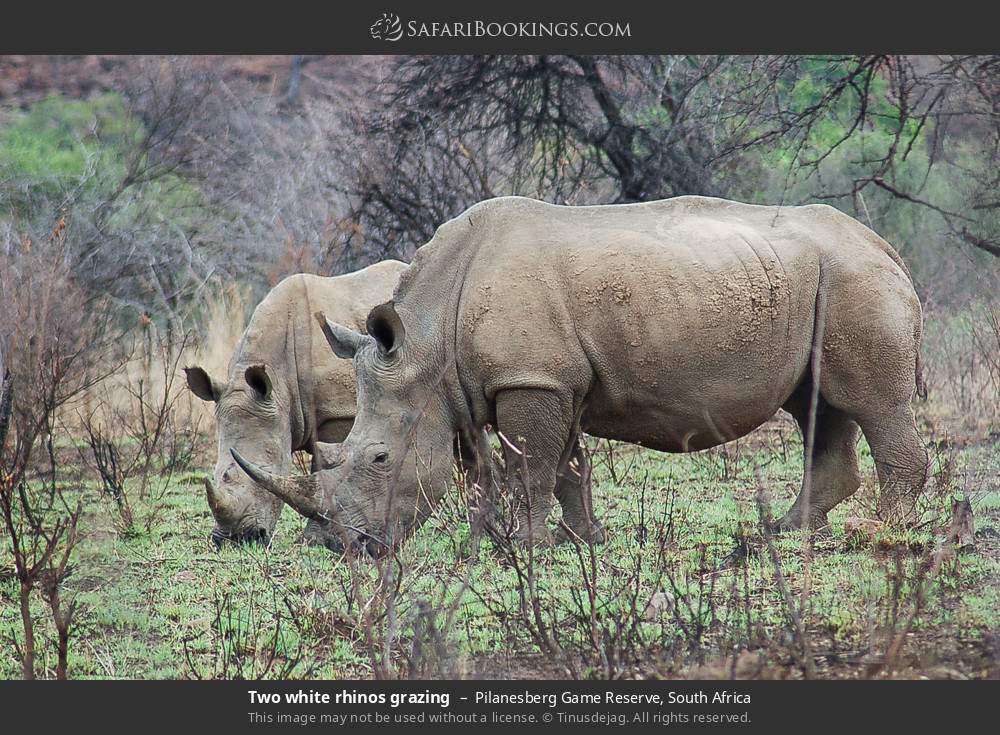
397 461
252 416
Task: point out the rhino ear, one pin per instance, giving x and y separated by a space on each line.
343 341
386 327
202 384
258 379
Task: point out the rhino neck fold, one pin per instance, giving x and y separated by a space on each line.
276 348
431 312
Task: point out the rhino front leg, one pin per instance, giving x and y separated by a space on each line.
573 491
535 426
481 481
316 533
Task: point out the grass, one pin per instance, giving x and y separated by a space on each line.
164 604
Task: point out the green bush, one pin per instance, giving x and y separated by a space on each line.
62 151
61 146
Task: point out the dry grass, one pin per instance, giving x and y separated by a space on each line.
210 344
961 354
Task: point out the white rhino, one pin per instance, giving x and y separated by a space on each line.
284 390
677 324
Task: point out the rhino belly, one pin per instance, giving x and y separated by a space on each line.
688 354
666 424
680 395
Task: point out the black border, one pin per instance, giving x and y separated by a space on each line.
656 27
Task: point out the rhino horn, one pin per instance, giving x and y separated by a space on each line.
217 499
302 492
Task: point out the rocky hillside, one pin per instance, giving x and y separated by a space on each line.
26 79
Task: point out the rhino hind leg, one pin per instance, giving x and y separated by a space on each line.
834 475
573 491
900 461
870 371
535 426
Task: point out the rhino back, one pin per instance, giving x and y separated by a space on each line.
283 334
690 312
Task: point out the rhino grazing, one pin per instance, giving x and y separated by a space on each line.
677 325
284 391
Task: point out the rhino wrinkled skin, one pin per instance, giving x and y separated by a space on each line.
284 391
677 325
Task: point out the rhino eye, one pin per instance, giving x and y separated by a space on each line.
381 458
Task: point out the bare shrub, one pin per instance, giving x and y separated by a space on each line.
42 531
251 639
57 342
138 440
962 350
803 649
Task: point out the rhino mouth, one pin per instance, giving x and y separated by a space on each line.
365 545
251 536
303 493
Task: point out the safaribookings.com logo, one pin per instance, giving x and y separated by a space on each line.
390 28
387 28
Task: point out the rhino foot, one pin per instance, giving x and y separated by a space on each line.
538 539
793 521
897 511
593 534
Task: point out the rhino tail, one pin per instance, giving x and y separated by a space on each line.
921 383
918 363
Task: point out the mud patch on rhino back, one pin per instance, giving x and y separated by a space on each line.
746 301
614 287
479 308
